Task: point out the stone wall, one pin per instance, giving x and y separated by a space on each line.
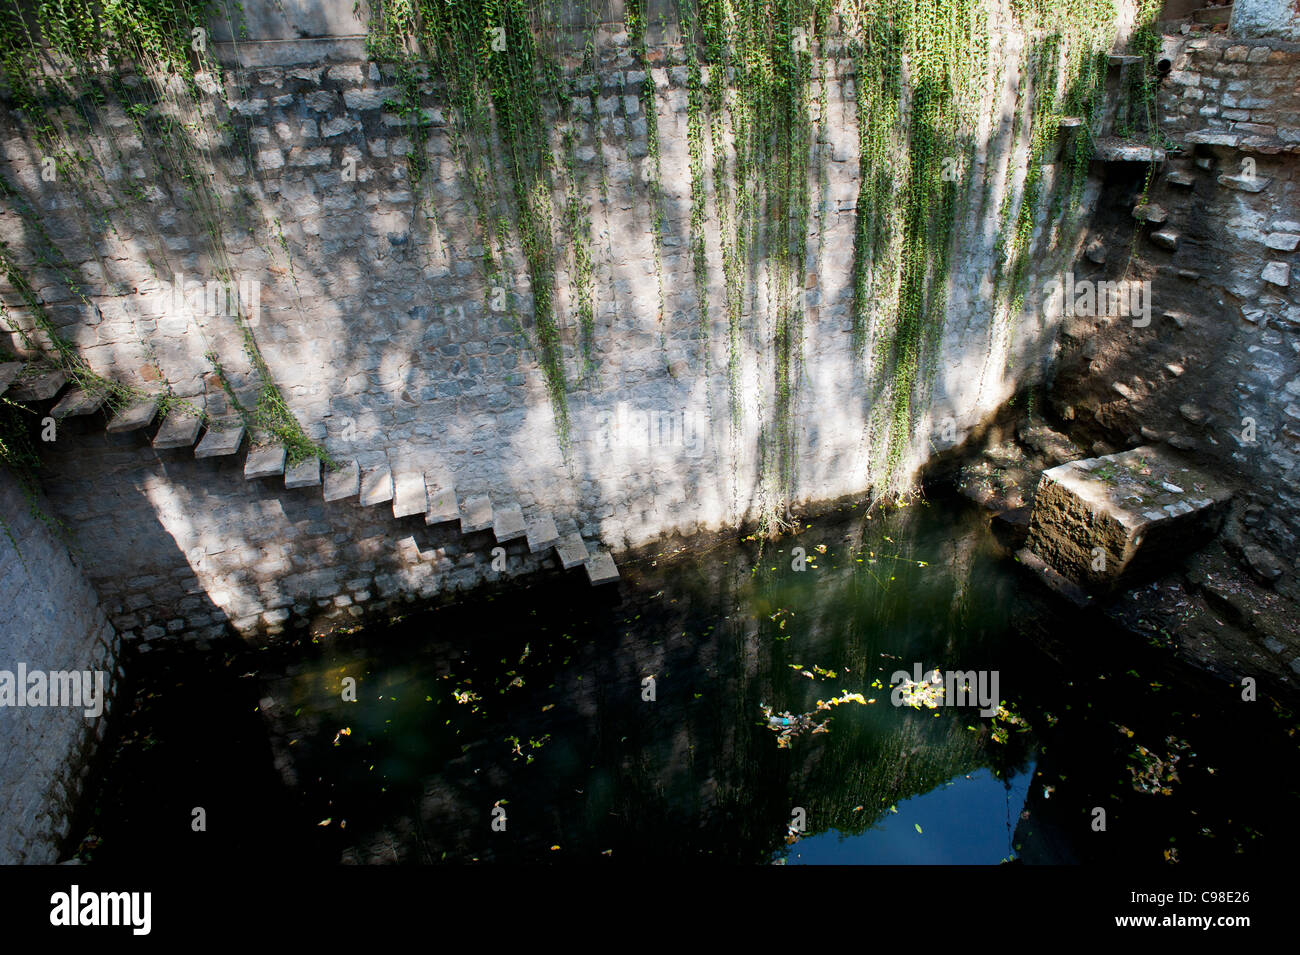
52 622
1217 372
1256 19
377 323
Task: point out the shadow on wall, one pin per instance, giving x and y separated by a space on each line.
377 322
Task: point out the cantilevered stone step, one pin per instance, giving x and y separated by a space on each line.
443 508
571 550
409 494
343 483
476 515
508 523
1070 122
178 430
223 438
377 487
1122 59
138 414
306 473
9 373
601 568
265 460
542 534
1119 150
38 387
78 401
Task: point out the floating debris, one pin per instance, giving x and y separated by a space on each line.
788 725
928 692
1153 773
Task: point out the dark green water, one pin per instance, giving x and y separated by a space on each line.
532 703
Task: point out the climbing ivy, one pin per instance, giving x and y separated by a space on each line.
91 47
485 52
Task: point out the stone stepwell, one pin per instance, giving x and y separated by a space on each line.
411 492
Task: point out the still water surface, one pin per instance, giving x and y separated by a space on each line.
517 727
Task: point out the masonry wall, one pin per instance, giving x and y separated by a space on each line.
52 621
1217 373
376 322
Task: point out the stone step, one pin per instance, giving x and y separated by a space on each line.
572 550
601 568
343 483
542 534
1122 59
1070 122
77 402
1179 178
1101 521
443 508
1245 183
222 439
264 460
1212 137
377 487
9 372
410 497
508 523
178 430
39 387
1118 150
476 515
1166 239
1151 212
138 414
306 473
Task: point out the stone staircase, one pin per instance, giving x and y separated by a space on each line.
408 492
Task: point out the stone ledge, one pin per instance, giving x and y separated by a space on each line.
343 483
178 430
223 438
305 473
1100 522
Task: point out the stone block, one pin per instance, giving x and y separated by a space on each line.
1166 239
508 523
1277 273
572 551
138 414
343 483
41 386
377 487
443 508
601 568
476 515
1103 522
78 402
306 473
542 534
409 494
1150 212
1245 183
265 460
178 430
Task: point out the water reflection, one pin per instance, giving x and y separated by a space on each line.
561 723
